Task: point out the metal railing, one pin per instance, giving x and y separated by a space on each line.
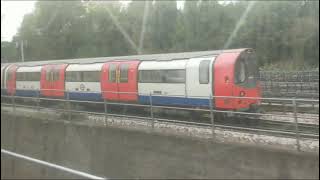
51 165
151 105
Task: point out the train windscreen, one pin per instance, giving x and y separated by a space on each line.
246 70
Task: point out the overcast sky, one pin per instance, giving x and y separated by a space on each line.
12 13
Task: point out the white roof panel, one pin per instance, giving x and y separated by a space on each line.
150 65
29 69
85 67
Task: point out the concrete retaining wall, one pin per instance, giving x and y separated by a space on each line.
119 153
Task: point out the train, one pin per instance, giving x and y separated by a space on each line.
185 79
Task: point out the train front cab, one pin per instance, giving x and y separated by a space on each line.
3 89
52 82
10 79
235 74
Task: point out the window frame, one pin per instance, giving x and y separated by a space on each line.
163 74
96 79
126 68
28 76
74 78
115 73
208 72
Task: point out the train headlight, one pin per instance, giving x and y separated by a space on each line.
242 93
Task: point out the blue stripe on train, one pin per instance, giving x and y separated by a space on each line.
27 93
85 96
177 101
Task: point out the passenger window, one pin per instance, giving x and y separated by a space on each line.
149 76
91 76
124 72
112 72
20 76
204 68
174 76
73 76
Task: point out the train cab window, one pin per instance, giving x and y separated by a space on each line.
204 68
112 73
124 68
91 76
240 72
73 76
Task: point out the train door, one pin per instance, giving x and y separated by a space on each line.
119 81
58 80
109 85
45 80
52 80
199 81
10 79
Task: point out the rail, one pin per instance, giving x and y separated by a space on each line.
296 133
51 165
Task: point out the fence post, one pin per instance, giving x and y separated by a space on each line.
294 103
38 102
212 117
69 106
13 103
105 103
151 110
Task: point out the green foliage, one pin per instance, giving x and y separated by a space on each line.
284 33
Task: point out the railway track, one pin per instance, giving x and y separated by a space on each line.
242 122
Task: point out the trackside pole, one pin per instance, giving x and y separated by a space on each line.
69 106
151 111
212 117
294 103
105 103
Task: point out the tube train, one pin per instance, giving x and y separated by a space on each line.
187 79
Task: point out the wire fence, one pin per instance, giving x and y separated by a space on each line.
301 84
213 113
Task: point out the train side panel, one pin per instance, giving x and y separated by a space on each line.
28 81
165 80
199 81
83 81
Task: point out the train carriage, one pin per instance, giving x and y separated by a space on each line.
83 81
164 80
28 81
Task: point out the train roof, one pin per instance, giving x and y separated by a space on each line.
145 57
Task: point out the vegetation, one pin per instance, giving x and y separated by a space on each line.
282 32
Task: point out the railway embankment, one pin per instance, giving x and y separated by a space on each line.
117 148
